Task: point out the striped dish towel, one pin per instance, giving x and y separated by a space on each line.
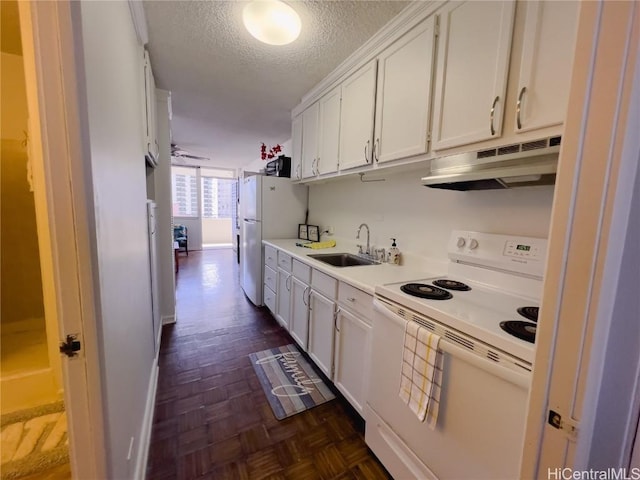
421 376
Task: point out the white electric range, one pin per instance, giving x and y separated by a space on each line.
485 311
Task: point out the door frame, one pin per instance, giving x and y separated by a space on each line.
58 154
594 191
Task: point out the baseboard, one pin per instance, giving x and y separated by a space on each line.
147 424
168 319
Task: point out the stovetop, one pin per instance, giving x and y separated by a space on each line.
477 312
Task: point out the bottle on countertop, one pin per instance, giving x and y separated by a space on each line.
394 253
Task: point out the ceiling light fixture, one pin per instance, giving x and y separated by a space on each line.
272 21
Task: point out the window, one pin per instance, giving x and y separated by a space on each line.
184 192
217 197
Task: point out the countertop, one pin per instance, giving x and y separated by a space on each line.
363 277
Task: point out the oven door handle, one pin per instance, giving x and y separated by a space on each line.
520 379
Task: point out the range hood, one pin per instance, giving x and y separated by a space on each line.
517 165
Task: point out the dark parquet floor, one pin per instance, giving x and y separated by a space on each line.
212 419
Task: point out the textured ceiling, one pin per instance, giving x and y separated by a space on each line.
229 91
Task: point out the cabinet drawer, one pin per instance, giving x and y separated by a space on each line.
270 278
323 283
356 300
284 261
302 271
269 299
270 257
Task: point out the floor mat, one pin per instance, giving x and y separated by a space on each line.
33 440
289 381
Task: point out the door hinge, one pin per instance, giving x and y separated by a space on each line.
567 425
437 27
70 346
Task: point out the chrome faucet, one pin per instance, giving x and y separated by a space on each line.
367 251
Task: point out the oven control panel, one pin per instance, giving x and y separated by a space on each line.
524 255
529 250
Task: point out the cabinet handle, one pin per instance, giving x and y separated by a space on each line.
307 289
313 166
376 149
493 110
287 284
366 155
318 166
518 105
335 319
351 299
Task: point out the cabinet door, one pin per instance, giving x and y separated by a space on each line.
283 298
329 143
296 144
545 68
299 319
321 319
471 72
404 94
310 119
151 139
353 347
356 117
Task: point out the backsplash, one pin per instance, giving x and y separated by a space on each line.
422 218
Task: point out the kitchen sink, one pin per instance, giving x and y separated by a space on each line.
343 259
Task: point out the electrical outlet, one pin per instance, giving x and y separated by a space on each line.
330 230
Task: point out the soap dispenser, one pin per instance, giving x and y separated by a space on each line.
394 253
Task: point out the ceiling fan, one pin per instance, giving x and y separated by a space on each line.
180 153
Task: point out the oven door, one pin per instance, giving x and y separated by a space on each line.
480 427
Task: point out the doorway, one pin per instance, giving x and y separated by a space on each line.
32 411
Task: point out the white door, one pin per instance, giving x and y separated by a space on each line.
310 119
546 64
283 298
251 261
296 147
352 350
471 72
299 320
404 94
321 321
153 262
356 117
329 130
59 176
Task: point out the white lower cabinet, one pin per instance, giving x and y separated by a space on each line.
321 323
328 319
283 298
352 347
299 318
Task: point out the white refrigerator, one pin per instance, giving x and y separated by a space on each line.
271 207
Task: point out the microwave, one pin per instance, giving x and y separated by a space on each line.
280 167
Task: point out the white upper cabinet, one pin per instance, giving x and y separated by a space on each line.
403 94
296 146
152 150
472 66
547 59
310 119
356 117
329 133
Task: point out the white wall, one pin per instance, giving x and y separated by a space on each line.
422 218
114 88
